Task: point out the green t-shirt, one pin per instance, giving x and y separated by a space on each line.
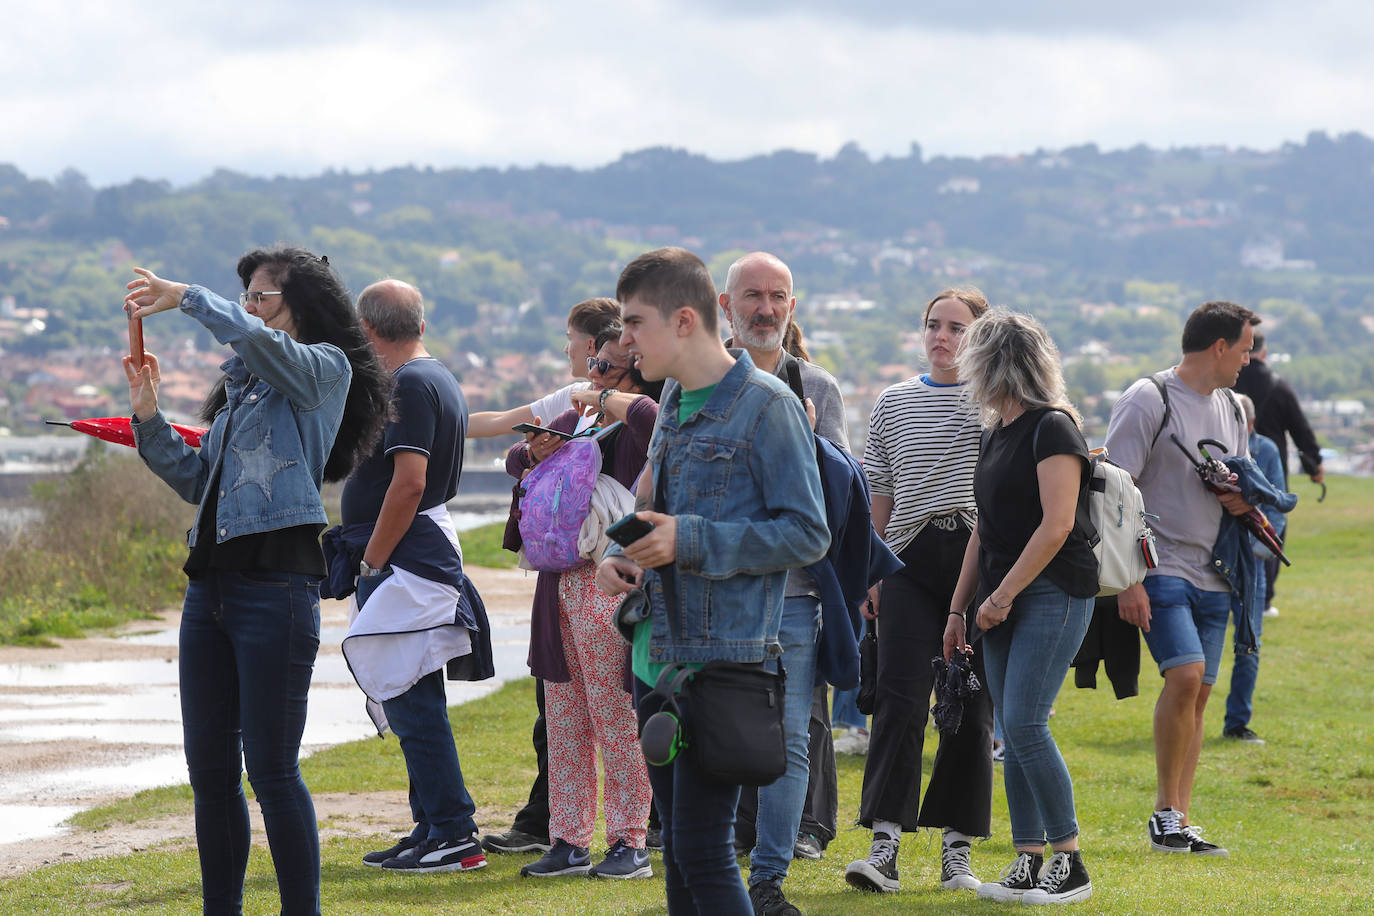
690 402
648 671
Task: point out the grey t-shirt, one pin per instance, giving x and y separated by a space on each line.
1189 514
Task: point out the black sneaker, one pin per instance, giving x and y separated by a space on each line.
767 898
653 838
1242 733
807 847
1166 832
1197 845
955 873
1019 878
879 871
1065 881
515 841
440 856
623 862
375 859
562 860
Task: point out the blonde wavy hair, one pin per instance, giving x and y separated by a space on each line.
1008 356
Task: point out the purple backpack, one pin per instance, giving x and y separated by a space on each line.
557 498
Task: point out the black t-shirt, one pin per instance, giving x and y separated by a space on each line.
295 549
1007 490
429 416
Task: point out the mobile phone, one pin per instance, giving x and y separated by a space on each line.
628 530
531 428
135 339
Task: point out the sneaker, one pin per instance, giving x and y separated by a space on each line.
955 873
999 752
623 862
562 859
440 856
514 841
879 871
1242 733
375 859
854 741
1065 881
653 838
1198 846
1271 611
1166 832
767 898
1019 877
807 847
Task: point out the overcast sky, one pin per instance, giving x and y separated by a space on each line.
169 89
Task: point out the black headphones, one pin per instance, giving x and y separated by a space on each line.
664 734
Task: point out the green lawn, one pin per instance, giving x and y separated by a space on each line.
1296 813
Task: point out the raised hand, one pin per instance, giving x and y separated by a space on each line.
150 294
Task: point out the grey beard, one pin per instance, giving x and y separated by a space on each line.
761 338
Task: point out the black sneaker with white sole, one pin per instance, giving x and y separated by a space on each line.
623 861
1198 846
375 859
879 871
767 899
434 856
807 847
1065 881
1019 877
955 873
515 841
1166 832
563 860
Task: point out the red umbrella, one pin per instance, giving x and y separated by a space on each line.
1218 478
120 431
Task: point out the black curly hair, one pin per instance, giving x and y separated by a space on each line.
323 313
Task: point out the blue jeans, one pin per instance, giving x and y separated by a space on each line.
1244 673
843 711
247 651
781 802
1187 624
1026 659
698 816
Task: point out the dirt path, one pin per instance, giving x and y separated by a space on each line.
506 594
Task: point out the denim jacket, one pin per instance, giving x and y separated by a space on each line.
1233 554
269 443
740 478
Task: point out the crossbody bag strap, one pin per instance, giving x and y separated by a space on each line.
667 573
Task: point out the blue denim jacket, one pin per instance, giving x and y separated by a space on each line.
1233 553
740 478
270 442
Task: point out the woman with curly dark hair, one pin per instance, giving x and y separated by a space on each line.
301 400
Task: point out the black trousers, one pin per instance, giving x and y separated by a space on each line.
911 623
534 817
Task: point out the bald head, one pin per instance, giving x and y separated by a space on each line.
393 310
758 260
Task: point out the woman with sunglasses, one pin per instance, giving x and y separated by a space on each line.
589 709
302 400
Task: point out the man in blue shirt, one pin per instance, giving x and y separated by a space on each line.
733 467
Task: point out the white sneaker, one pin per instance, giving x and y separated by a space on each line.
853 741
1271 611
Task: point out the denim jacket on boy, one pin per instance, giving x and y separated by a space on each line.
269 443
740 479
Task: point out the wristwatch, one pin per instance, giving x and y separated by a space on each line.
367 572
605 393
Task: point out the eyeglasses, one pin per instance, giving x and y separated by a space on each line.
255 297
603 366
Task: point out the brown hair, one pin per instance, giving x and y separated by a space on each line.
971 296
670 279
593 316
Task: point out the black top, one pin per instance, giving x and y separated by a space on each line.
1007 491
429 415
1277 414
295 549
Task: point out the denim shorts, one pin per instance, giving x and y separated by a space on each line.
1187 624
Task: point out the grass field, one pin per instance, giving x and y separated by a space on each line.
1297 813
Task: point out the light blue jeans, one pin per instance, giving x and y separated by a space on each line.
1027 658
1244 673
844 711
781 803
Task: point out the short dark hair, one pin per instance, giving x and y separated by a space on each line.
1213 321
1258 345
593 316
670 279
394 310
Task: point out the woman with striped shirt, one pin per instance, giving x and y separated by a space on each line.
921 452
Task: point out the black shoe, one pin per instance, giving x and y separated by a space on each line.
1065 881
955 871
807 847
653 838
375 859
624 861
440 856
1197 845
1242 733
515 841
1166 832
562 860
879 871
1020 876
767 898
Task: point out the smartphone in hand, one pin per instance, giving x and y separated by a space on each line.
628 530
531 428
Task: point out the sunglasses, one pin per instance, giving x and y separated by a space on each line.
603 366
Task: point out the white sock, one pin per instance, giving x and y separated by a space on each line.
891 829
953 836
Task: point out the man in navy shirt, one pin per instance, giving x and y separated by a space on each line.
411 615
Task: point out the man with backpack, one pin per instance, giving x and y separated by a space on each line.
1185 602
738 496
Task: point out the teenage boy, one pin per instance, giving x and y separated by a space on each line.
732 465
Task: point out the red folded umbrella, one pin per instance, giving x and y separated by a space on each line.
120 431
1218 478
